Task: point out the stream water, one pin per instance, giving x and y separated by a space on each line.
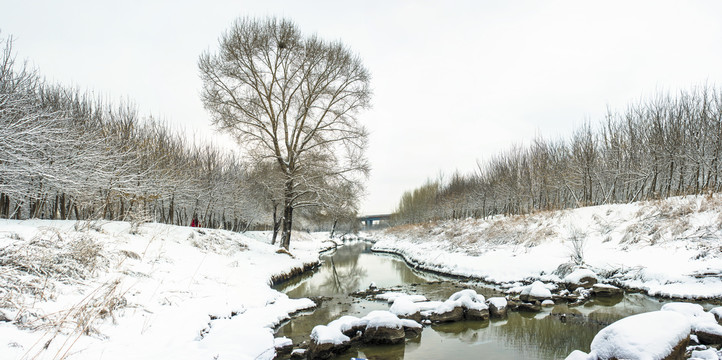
521 336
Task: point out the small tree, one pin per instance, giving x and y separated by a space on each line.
290 100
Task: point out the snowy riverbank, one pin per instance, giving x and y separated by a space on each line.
670 248
106 290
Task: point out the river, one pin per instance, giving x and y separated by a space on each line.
543 335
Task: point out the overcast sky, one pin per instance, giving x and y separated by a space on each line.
454 81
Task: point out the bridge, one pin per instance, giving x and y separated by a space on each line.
370 221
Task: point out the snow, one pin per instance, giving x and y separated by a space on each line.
700 319
167 292
404 306
391 296
407 305
333 332
322 334
580 355
664 248
498 302
538 290
717 312
577 275
708 354
646 336
281 342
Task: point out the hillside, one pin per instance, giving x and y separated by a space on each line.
670 248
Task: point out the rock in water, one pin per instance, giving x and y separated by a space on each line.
537 291
580 278
606 290
656 335
497 307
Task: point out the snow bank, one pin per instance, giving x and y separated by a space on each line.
162 292
665 248
646 336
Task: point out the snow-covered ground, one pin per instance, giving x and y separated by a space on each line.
668 248
83 290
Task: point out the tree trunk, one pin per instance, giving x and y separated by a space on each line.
276 224
287 215
287 223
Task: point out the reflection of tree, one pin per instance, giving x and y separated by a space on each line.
407 274
343 279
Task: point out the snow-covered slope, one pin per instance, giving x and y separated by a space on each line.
669 247
104 290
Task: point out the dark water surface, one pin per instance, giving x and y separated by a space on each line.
521 336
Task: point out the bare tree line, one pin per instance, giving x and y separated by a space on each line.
665 146
65 154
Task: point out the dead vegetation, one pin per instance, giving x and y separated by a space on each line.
215 242
30 269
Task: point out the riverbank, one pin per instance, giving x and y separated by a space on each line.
111 290
668 248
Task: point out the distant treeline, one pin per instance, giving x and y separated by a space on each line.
68 155
665 146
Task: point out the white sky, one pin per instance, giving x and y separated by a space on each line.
454 81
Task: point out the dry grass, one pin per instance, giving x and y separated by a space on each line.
34 266
216 242
81 319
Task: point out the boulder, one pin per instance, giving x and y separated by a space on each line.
709 337
476 314
497 307
412 329
584 278
547 303
529 307
717 312
704 324
537 291
606 290
283 345
444 314
325 350
298 354
326 341
393 334
656 335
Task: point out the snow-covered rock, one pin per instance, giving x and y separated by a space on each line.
704 324
649 336
497 307
580 277
708 354
717 312
580 355
537 291
547 303
606 290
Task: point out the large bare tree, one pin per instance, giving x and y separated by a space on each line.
291 100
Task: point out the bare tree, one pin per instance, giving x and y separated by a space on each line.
291 100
